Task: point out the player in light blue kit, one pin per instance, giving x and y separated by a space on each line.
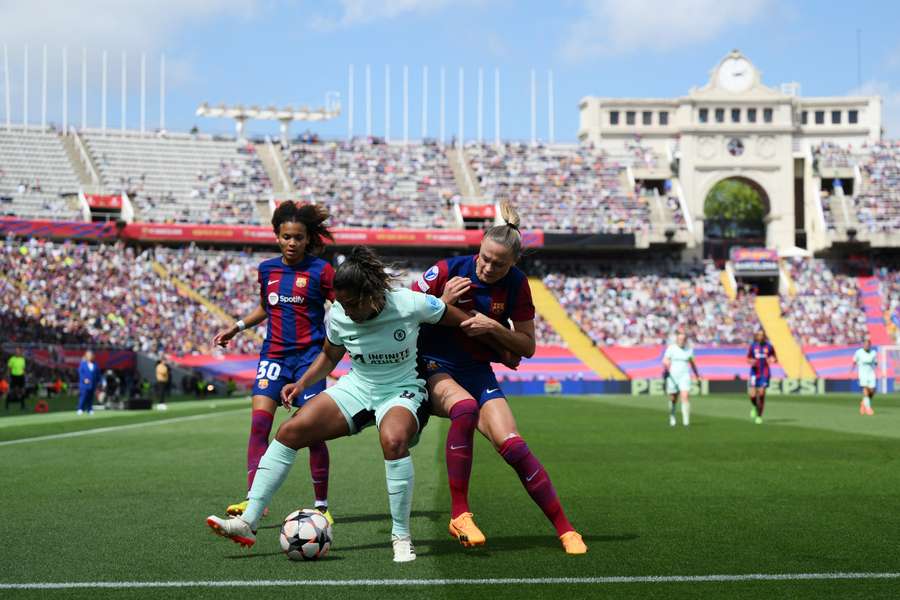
865 362
678 361
379 327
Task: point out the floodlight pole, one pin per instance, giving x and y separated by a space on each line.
424 102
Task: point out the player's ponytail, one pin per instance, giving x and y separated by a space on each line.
507 235
313 217
364 276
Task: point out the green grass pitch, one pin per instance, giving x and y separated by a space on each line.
813 490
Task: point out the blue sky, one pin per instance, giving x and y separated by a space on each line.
274 52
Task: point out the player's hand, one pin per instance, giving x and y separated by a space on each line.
223 337
455 288
510 360
288 393
478 324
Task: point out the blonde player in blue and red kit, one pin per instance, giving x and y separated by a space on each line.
293 290
760 353
461 383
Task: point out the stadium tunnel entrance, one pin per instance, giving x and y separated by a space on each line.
735 211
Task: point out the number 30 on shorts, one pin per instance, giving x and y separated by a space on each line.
268 370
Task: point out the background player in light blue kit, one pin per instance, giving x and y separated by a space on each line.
678 361
379 327
865 361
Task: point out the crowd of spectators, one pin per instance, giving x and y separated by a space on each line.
561 189
826 309
234 188
828 155
641 304
889 276
107 294
877 204
371 184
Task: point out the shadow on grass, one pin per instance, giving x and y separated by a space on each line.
443 546
329 558
431 515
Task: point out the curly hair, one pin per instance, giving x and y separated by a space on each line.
364 276
313 217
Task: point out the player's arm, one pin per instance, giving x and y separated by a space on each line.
324 364
257 316
694 367
519 340
453 317
751 359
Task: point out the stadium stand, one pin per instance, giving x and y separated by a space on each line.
564 189
826 309
370 184
35 174
644 304
182 177
105 293
877 204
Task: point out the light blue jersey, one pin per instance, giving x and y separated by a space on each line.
866 363
383 350
679 379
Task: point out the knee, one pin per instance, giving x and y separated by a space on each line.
291 433
513 449
394 445
464 409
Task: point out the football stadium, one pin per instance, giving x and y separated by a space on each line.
653 354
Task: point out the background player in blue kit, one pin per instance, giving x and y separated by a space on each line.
293 290
758 355
379 327
461 383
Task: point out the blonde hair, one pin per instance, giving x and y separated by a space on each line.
507 235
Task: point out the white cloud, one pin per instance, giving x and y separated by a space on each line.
890 103
359 12
612 27
113 24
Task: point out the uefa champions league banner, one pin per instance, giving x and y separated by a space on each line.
246 234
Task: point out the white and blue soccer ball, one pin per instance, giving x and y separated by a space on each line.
305 535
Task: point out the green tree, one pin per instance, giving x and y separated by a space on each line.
734 200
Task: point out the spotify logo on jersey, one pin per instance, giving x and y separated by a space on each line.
273 298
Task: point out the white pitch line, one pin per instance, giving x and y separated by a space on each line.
71 434
447 582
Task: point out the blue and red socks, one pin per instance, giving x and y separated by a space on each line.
260 428
536 481
463 420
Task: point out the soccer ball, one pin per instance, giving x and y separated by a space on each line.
305 535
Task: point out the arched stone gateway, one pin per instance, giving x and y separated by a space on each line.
736 127
734 213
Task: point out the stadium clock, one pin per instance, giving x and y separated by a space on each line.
736 74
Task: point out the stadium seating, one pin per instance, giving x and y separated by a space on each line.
889 275
562 189
877 203
876 200
34 175
826 309
367 183
833 156
106 293
645 304
181 177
